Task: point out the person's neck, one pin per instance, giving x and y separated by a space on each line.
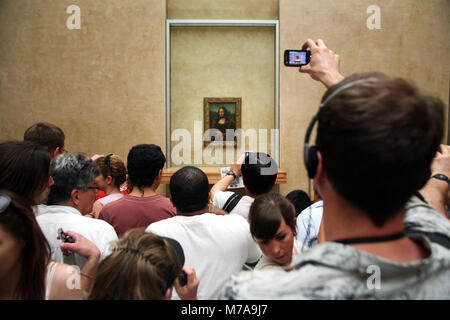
111 190
248 193
195 213
342 220
143 192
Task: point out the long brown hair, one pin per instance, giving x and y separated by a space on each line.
19 220
24 169
142 267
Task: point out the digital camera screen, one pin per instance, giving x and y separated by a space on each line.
297 58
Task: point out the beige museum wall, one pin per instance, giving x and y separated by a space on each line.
220 62
222 9
105 84
413 42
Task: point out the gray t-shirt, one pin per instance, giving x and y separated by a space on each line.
335 271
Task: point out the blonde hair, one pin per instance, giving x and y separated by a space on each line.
142 266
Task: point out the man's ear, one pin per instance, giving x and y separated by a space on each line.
158 179
320 173
75 196
109 180
295 226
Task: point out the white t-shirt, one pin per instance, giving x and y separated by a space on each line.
51 218
242 208
215 246
308 225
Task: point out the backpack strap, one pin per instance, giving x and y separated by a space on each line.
231 202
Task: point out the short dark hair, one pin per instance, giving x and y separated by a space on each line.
377 140
24 168
45 134
143 164
70 171
266 213
189 189
299 199
259 172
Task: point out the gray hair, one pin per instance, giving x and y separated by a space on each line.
70 171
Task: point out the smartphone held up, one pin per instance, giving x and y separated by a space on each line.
296 58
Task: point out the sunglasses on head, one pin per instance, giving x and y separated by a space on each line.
5 201
108 163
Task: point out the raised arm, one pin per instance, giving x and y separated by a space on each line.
223 184
436 190
324 64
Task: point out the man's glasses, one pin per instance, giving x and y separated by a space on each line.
93 188
5 201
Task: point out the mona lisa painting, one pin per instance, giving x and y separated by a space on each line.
222 116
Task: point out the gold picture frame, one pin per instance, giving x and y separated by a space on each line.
221 119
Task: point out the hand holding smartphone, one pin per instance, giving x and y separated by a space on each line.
64 237
182 278
296 58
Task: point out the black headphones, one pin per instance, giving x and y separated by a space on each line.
310 152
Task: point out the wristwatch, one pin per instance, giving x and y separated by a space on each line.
231 173
442 177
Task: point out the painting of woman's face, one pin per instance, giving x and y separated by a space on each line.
223 116
221 112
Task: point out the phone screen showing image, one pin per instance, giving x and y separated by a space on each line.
297 58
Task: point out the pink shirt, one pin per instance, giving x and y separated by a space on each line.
112 197
135 212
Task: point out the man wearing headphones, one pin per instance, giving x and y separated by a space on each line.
376 139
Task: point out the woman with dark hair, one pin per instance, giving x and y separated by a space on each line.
24 169
113 174
273 225
25 268
222 123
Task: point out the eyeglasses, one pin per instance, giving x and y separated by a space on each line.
5 201
93 188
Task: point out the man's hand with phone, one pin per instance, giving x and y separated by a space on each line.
324 64
189 290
